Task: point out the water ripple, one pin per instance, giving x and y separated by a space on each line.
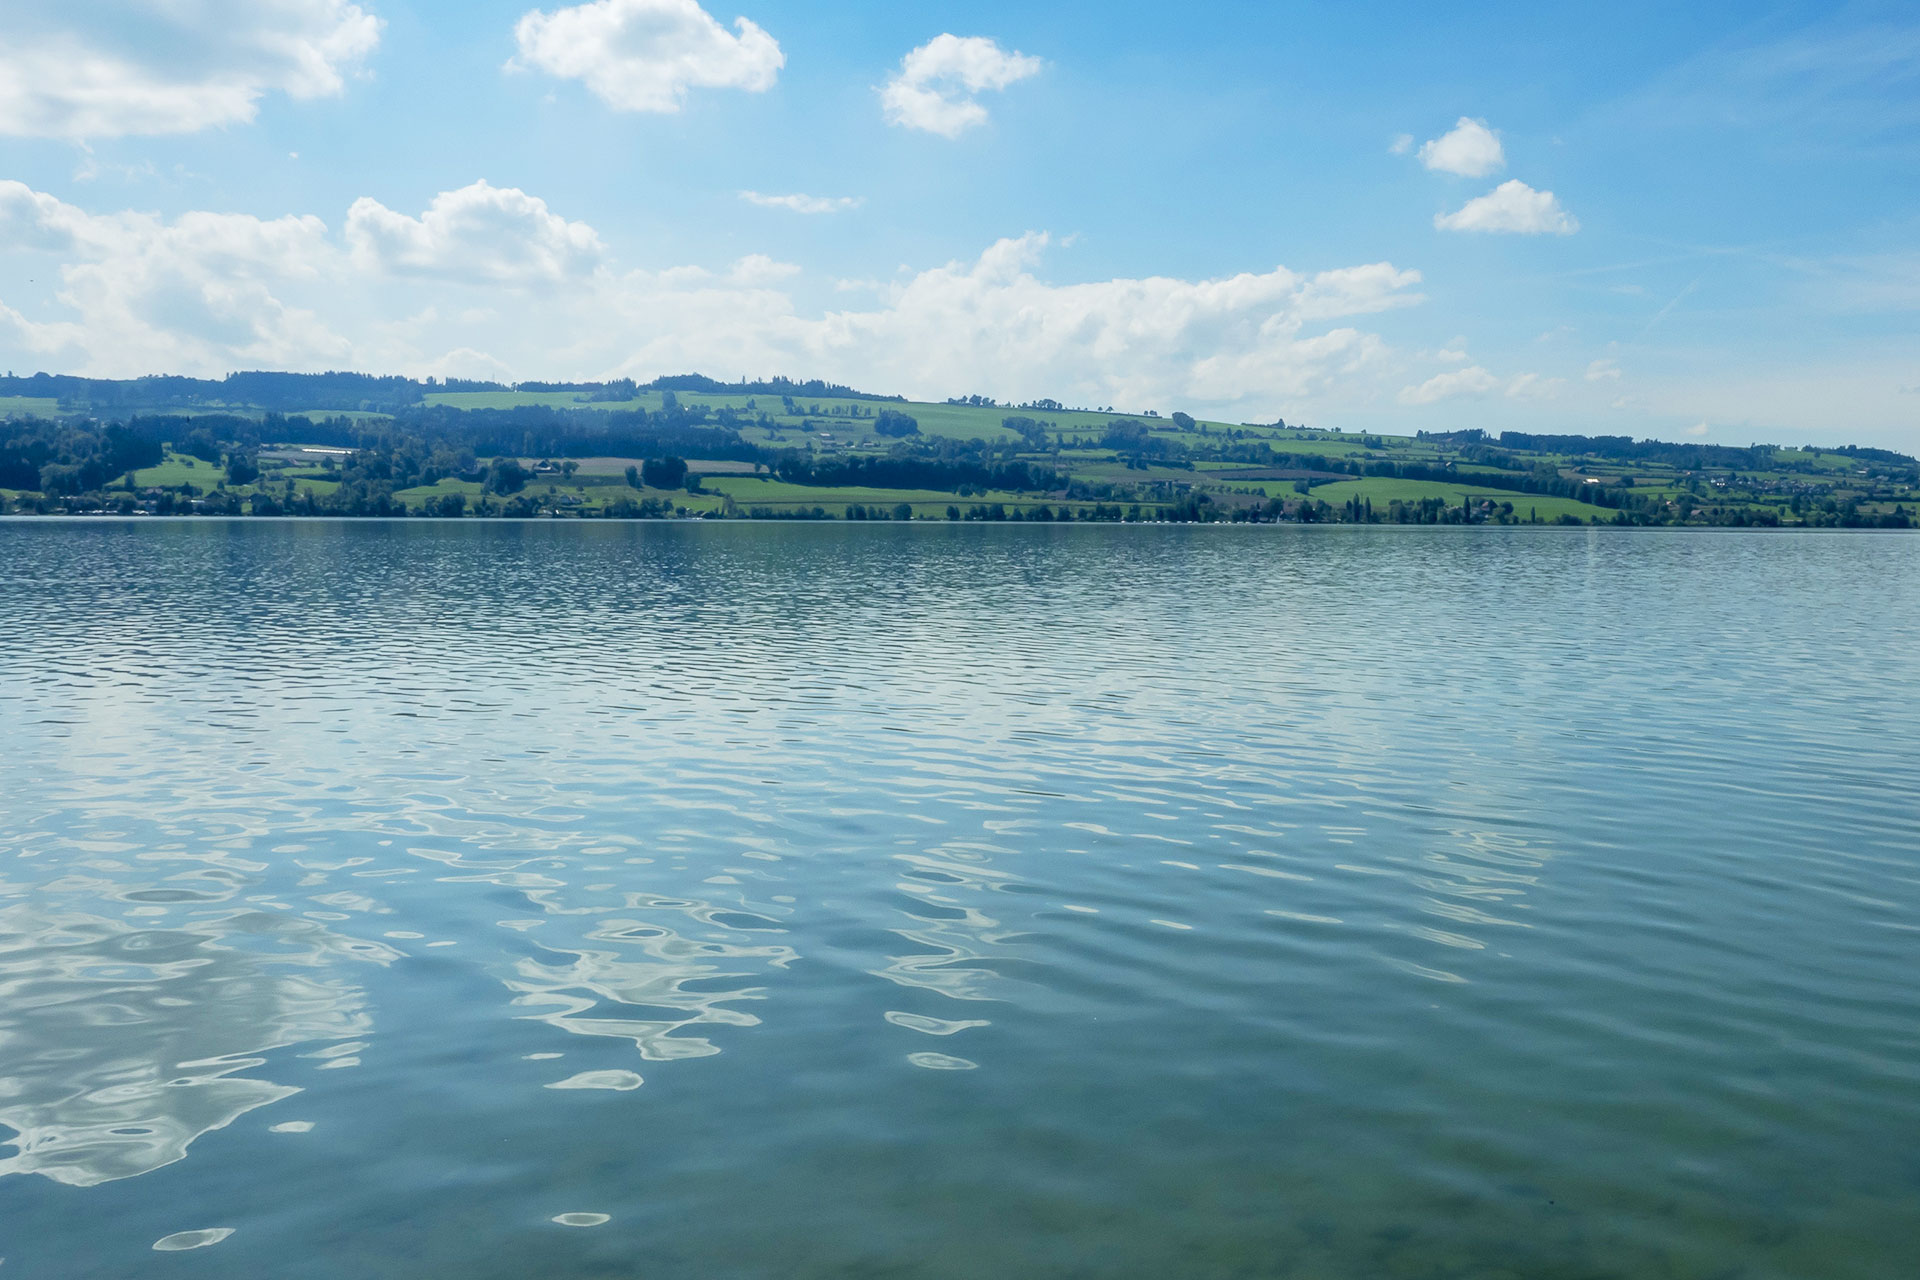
1313 902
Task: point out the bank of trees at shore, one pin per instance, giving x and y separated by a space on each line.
1131 470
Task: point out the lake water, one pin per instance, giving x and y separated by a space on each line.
562 900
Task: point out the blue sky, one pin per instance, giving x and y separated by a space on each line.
1683 221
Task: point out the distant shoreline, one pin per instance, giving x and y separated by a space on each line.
812 451
744 521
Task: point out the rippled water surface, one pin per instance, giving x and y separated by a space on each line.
415 899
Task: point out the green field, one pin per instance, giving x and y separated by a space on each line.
1172 472
27 407
587 497
852 419
178 469
470 400
328 415
1384 492
776 495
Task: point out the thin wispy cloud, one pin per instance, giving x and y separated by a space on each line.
1671 306
803 203
1832 79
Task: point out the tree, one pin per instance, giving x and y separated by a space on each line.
664 473
1183 421
633 477
892 422
506 476
902 511
242 468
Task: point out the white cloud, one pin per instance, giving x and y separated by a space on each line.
478 233
643 55
1470 381
1534 386
803 204
994 323
469 287
465 362
110 68
933 90
1475 380
1401 144
1471 150
1603 371
192 295
1699 429
1512 207
758 271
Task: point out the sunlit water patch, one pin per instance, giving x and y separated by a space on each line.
798 901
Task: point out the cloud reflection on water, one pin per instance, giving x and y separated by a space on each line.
123 1045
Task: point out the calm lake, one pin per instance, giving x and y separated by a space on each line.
591 900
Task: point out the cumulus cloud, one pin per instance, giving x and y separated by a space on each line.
1471 150
194 294
1699 429
478 233
643 55
1534 386
1512 207
758 271
111 68
1470 381
933 90
1477 381
1603 371
468 286
803 204
994 322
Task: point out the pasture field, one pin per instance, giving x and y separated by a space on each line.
28 407
319 485
589 497
1383 492
469 400
748 492
177 469
851 419
328 415
469 489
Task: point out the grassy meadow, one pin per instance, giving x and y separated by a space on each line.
1383 492
832 458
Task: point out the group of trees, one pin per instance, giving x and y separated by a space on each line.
72 464
359 392
949 470
892 422
70 458
659 473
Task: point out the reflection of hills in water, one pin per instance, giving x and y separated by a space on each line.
122 1045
